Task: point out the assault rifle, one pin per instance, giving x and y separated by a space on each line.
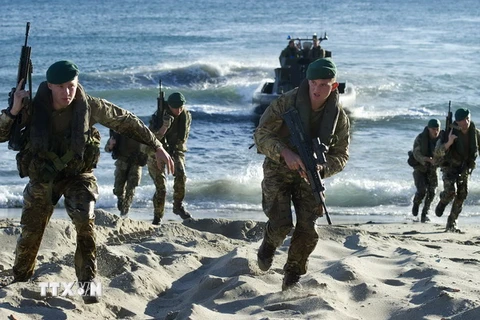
161 96
310 157
160 107
25 69
448 123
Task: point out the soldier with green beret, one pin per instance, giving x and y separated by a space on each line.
60 151
317 102
171 126
425 169
458 151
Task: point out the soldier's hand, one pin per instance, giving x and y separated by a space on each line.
429 160
18 98
451 139
162 156
294 162
167 120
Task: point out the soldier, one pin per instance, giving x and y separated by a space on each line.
290 52
61 151
317 52
425 172
128 168
172 127
458 153
316 100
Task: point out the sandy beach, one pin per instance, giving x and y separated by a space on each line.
206 269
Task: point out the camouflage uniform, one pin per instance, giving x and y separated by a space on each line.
75 180
175 142
281 186
424 174
128 169
288 55
317 53
457 166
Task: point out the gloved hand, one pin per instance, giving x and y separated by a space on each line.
167 120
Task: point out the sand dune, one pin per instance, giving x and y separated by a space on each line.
206 269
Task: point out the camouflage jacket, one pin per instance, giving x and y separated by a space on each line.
125 149
423 147
176 136
271 135
462 153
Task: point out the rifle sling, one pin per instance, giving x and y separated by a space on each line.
59 162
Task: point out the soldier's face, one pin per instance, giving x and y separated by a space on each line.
464 124
64 93
176 111
434 132
320 89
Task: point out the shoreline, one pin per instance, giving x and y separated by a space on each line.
145 215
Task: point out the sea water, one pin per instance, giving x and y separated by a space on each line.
406 59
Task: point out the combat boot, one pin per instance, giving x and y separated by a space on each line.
265 255
425 217
120 204
85 286
157 221
290 280
452 225
124 213
179 209
440 208
415 209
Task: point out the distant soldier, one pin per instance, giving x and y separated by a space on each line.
128 168
172 127
425 171
317 52
290 52
458 153
61 152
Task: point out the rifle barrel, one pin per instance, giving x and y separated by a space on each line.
26 33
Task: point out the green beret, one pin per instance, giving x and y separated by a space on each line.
434 123
176 100
461 114
61 72
323 68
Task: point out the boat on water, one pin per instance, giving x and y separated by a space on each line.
294 61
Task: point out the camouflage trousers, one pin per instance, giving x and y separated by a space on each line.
426 184
80 193
455 187
160 180
280 187
127 178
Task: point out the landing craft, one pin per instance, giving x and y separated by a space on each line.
292 72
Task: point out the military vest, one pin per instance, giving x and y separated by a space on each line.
69 152
177 129
461 154
127 150
321 124
427 145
